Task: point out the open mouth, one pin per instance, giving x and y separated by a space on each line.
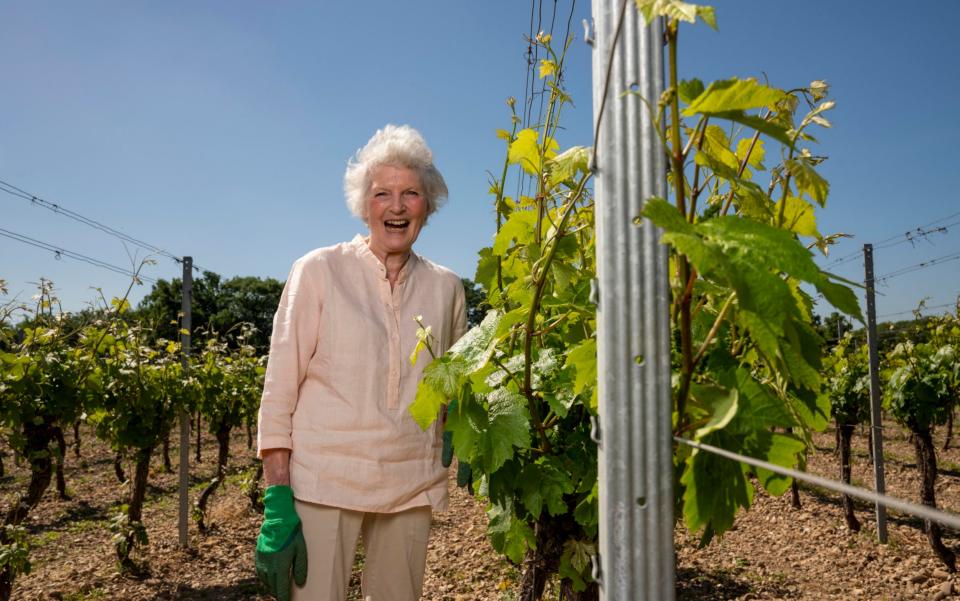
396 225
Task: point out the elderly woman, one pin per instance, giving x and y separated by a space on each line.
342 456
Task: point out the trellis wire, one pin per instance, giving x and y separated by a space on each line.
106 229
943 518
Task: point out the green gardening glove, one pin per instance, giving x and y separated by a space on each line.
280 546
464 471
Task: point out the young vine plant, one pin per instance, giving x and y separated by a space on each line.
922 390
746 357
109 370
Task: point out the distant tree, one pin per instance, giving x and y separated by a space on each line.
476 302
218 306
832 327
248 299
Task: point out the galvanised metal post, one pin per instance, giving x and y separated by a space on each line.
185 326
636 556
876 415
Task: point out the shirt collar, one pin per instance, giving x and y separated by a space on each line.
359 243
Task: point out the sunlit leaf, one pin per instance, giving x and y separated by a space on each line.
733 95
809 182
547 67
798 216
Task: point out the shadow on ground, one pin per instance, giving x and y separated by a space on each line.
246 589
720 585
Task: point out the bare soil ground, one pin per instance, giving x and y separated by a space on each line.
773 552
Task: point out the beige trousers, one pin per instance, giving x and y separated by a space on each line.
395 552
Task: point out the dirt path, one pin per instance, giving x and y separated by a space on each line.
774 551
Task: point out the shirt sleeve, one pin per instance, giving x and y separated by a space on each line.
292 345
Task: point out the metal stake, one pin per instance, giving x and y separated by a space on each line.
635 459
186 292
876 417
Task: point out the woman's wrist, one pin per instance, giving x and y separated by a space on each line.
276 467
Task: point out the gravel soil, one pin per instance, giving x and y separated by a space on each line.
773 552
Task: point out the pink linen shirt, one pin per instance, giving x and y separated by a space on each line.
339 379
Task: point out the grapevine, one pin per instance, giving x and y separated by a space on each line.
747 359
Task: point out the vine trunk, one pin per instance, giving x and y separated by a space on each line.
61 457
38 437
544 560
223 455
76 439
927 463
949 437
118 467
845 431
199 437
135 508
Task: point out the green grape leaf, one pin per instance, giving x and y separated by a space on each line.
676 9
563 274
760 408
706 504
509 428
708 15
798 216
840 296
733 95
756 156
778 449
566 165
120 305
561 400
666 216
467 422
712 507
525 151
510 319
547 67
476 346
544 483
425 407
520 227
773 129
509 535
443 377
809 182
754 242
719 403
486 273
585 512
582 358
690 89
717 146
575 562
444 374
753 202
811 408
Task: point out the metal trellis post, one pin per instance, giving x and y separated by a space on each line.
187 292
636 556
876 416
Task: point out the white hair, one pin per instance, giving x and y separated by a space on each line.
397 146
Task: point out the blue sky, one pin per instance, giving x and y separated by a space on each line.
221 129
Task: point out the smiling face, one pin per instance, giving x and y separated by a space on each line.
396 210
